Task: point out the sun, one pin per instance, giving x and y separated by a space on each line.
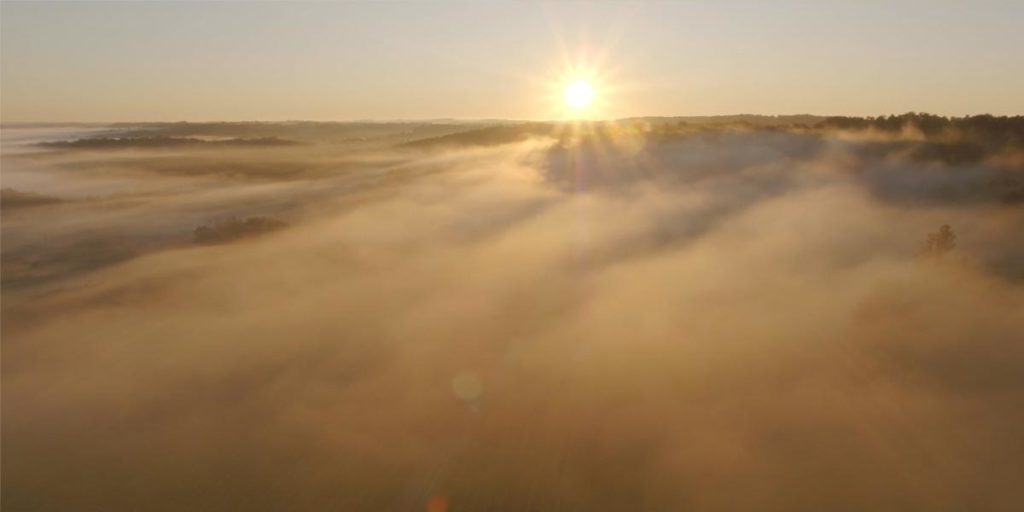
579 94
580 88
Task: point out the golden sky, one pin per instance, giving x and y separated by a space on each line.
93 61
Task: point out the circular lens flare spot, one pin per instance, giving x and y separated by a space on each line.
579 94
467 386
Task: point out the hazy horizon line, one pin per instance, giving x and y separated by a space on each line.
481 119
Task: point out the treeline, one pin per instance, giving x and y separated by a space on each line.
994 128
985 132
13 198
165 142
301 131
234 228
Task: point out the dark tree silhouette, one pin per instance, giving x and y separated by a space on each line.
939 242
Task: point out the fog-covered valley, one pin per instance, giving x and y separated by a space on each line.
754 313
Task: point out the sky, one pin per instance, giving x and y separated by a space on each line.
231 61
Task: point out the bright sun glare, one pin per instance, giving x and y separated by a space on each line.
579 94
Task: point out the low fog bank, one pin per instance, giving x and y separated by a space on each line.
605 317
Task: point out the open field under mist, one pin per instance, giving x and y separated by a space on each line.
713 314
